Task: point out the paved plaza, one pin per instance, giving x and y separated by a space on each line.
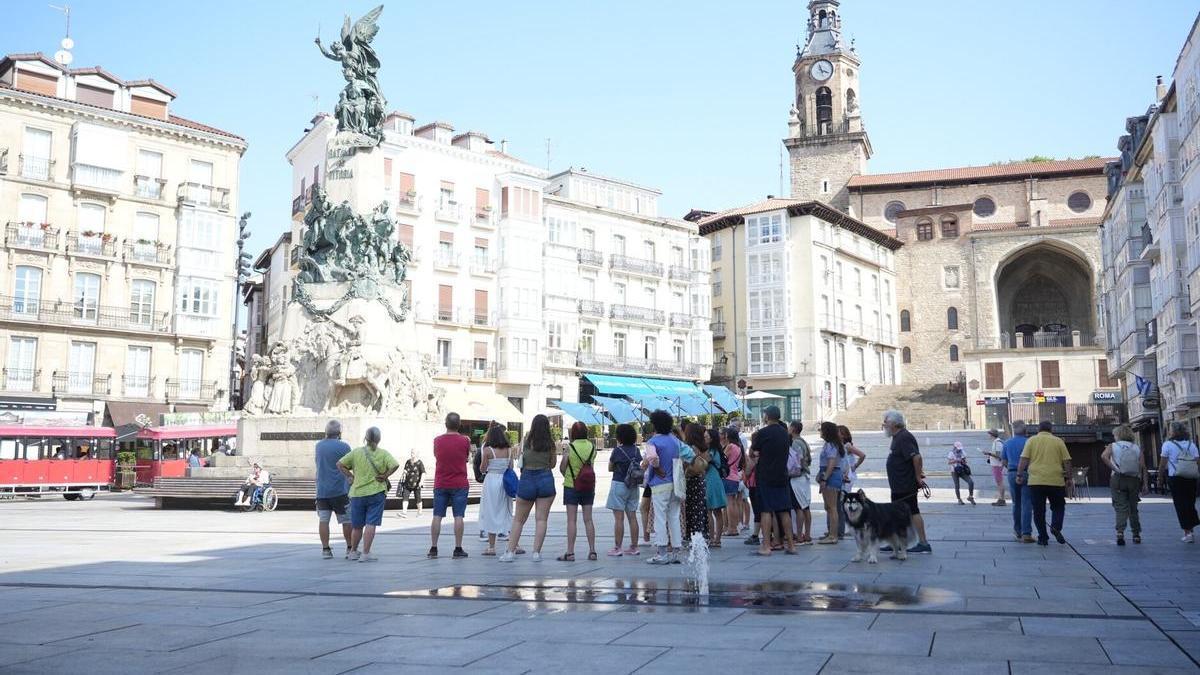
116 586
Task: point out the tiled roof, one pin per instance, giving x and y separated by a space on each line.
1063 222
797 207
772 204
191 124
926 210
981 173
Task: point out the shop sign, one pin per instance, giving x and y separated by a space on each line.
995 400
1022 397
1106 397
197 418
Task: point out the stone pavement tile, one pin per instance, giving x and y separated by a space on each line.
106 661
430 626
1025 606
424 651
278 641
1049 591
153 638
654 614
599 659
1043 668
1098 628
186 598
744 638
243 665
982 591
815 620
559 630
78 610
441 606
802 638
485 667
332 619
520 610
43 632
690 660
853 662
903 577
11 654
987 645
1033 578
1124 652
901 621
1119 607
198 615
1188 640
321 603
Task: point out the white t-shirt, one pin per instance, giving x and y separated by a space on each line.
997 450
1171 452
957 457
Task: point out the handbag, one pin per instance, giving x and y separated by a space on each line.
387 482
678 480
1186 467
697 467
585 479
962 470
510 482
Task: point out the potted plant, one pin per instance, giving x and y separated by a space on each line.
126 470
44 226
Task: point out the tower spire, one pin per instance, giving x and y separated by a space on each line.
824 28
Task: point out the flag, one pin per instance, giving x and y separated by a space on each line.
1143 385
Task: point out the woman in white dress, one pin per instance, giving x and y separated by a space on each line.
495 506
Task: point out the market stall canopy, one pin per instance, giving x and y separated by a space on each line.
760 396
723 397
622 386
481 406
620 410
582 412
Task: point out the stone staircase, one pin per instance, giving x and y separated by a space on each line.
924 406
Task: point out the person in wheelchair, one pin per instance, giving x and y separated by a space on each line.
251 491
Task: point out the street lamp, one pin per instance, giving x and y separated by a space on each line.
242 272
741 385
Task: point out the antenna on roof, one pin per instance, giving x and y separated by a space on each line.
316 99
547 154
64 57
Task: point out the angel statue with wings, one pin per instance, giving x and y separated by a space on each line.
360 108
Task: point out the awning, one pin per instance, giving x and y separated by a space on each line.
622 386
481 405
620 410
654 402
20 431
760 396
696 404
582 412
670 388
188 431
723 397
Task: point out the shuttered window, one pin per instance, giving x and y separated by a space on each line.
93 95
993 376
481 350
446 237
406 234
140 105
1104 380
38 83
408 183
1050 375
481 302
387 174
445 297
482 199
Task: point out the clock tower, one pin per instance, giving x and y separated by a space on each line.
826 141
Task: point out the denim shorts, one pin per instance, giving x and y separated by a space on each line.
455 498
835 480
623 498
367 510
535 484
573 497
732 487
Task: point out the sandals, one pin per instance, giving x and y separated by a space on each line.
489 551
566 557
592 555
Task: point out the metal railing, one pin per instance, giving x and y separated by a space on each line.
681 320
36 168
148 252
81 383
1041 340
81 313
3 161
409 201
636 364
1069 413
591 308
298 204
468 369
681 273
721 372
190 389
31 236
561 357
446 260
635 313
198 194
590 257
484 216
624 263
459 316
148 187
21 379
91 244
137 386
448 211
717 328
483 266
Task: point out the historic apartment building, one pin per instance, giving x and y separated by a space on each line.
119 254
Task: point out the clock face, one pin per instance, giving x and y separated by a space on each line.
821 70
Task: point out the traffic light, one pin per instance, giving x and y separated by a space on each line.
244 259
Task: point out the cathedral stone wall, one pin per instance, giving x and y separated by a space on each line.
817 161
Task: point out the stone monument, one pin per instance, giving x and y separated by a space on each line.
348 349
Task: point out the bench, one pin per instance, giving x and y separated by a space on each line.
181 491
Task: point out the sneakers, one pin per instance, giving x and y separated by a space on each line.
367 558
507 556
615 552
632 551
921 547
348 552
1027 539
482 535
999 502
659 559
827 540
972 500
327 553
535 556
1058 536
353 555
502 537
1188 538
805 542
459 553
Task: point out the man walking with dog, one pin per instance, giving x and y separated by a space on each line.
906 474
1046 468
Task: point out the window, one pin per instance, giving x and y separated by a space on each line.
619 293
651 348
191 373
952 318
841 397
841 353
35 154
480 354
618 244
993 376
445 310
22 357
766 308
906 355
838 280
27 290
862 364
1050 378
587 340
587 239
137 372
651 298
949 227
198 296
90 235
824 111
87 297
828 357
554 334
905 322
954 352
443 354
32 212
874 287
200 229
857 281
619 344
141 303
767 354
1104 380
677 350
1079 201
94 95
676 254
587 288
892 211
765 268
446 196
145 237
887 291
984 207
716 248
81 366
716 288
764 230
924 230
652 251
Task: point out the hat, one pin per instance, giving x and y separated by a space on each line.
958 445
995 433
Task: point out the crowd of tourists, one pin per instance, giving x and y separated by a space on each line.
670 484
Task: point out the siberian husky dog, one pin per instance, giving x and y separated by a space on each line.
874 523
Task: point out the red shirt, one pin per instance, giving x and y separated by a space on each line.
452 452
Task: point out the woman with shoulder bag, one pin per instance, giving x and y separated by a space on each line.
1179 456
695 505
627 477
714 488
579 488
535 489
495 506
1128 481
734 462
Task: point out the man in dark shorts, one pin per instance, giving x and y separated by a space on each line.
332 488
772 444
906 474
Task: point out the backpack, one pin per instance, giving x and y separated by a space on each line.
585 479
475 465
634 476
1125 456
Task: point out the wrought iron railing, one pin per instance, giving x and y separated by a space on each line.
624 263
198 194
36 168
38 236
21 379
92 244
681 273
717 328
590 257
591 308
190 389
681 320
137 386
81 383
148 252
148 187
81 314
635 313
636 365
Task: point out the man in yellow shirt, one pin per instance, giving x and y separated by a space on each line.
1046 468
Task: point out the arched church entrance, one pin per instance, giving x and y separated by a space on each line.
1045 292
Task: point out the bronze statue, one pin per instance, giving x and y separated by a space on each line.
361 105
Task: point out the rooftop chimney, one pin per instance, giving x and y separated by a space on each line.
1160 89
504 146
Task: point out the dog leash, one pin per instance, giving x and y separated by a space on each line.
923 491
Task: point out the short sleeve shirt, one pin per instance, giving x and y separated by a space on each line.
365 469
413 471
1013 448
452 452
667 448
773 445
1172 450
902 475
330 481
577 453
733 456
623 457
1046 454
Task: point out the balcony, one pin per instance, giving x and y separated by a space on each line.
718 329
198 194
191 390
483 266
446 261
33 236
631 364
36 168
20 379
96 178
681 320
137 386
448 211
589 257
80 314
93 244
561 358
197 325
468 369
721 372
457 316
146 252
629 265
81 384
408 202
638 314
591 308
149 187
681 274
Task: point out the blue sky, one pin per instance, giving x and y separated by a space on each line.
690 97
